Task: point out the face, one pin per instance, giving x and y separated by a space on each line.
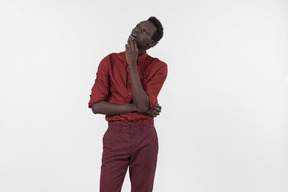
142 34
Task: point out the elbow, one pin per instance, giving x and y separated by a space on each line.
95 108
142 108
94 111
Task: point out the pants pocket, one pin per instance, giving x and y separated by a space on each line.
105 135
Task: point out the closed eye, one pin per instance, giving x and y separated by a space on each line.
144 29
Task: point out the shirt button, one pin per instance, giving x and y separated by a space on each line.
129 93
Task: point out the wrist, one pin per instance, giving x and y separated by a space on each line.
132 66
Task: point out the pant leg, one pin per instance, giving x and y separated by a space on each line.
144 159
115 159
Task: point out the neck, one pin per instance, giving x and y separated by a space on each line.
141 52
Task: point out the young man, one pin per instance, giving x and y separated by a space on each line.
126 90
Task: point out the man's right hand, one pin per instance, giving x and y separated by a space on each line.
154 111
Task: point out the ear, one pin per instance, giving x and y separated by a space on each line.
152 43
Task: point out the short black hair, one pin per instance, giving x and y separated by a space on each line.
159 32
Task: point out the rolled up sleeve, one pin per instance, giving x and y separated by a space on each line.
155 83
100 89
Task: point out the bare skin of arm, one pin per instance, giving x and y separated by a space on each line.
140 98
107 108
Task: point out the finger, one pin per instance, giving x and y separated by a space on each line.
128 47
130 43
135 46
158 108
156 112
153 113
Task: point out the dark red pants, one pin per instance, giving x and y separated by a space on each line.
134 145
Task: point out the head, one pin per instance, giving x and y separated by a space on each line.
147 33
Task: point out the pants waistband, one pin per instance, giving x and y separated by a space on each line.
130 124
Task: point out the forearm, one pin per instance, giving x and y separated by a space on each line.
107 108
140 98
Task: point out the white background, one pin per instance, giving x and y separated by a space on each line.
224 123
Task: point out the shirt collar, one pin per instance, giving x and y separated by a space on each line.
141 58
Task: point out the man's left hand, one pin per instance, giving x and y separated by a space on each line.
154 111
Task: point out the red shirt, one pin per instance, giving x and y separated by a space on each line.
113 83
